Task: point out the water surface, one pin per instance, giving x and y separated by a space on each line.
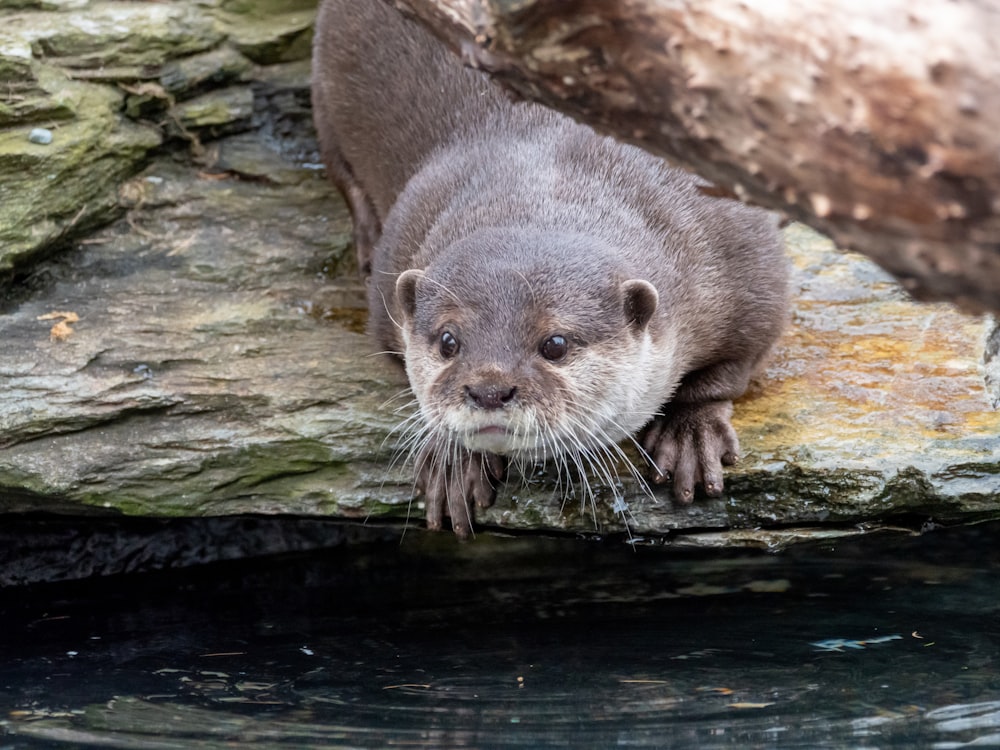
884 642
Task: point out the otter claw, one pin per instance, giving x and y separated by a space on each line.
453 488
689 445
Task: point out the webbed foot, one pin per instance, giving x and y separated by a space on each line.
690 443
452 482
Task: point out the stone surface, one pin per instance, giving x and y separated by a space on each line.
112 80
204 354
216 112
217 368
46 548
270 33
220 66
112 34
49 191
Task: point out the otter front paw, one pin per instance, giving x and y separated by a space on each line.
691 443
452 480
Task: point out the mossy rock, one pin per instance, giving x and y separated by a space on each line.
48 191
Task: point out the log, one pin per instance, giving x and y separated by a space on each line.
876 123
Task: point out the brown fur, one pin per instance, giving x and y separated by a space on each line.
509 227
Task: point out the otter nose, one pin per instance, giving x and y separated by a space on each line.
490 396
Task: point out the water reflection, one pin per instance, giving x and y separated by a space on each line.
887 642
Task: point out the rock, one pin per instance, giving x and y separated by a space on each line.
216 112
216 369
114 34
168 58
177 285
268 38
50 191
48 548
46 4
41 136
35 93
192 74
991 362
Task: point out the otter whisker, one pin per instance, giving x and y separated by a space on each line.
443 288
604 455
578 451
610 445
412 402
388 310
384 353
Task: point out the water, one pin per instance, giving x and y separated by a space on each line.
880 643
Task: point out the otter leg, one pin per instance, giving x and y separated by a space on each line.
367 226
452 481
692 438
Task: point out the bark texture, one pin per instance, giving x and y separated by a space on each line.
876 123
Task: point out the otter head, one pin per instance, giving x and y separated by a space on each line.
529 343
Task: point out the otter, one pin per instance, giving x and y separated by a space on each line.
550 291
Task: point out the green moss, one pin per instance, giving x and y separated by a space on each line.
47 191
217 108
123 34
271 39
264 8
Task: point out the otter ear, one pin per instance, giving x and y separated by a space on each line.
406 290
641 299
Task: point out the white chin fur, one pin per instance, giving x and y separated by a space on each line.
495 432
520 436
503 443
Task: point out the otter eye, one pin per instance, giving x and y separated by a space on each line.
448 344
554 348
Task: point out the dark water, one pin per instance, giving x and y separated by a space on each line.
884 643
